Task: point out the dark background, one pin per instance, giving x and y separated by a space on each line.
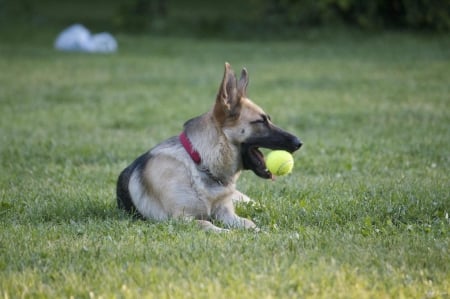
231 18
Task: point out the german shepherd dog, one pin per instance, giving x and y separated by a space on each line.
193 175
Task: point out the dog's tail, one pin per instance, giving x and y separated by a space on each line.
124 200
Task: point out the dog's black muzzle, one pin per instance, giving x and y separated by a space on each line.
275 139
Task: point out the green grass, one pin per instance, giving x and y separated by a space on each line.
363 215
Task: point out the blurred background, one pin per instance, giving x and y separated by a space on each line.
231 18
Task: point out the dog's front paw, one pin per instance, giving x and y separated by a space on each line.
247 224
241 197
208 226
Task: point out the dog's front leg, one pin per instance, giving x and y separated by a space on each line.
241 197
224 212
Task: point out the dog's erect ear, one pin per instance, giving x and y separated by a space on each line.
243 83
227 101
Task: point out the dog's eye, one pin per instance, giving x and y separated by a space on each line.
259 121
264 120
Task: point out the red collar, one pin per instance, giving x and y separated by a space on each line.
195 156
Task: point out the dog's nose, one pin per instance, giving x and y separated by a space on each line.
297 143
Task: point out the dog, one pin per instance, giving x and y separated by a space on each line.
193 176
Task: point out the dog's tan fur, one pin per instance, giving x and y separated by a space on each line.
166 183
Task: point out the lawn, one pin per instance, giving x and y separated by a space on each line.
363 215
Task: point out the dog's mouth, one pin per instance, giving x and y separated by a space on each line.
253 159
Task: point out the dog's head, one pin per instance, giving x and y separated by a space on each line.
247 126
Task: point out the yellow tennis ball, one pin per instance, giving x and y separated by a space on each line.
279 162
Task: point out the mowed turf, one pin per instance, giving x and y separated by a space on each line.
363 215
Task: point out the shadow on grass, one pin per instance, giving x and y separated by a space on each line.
62 211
